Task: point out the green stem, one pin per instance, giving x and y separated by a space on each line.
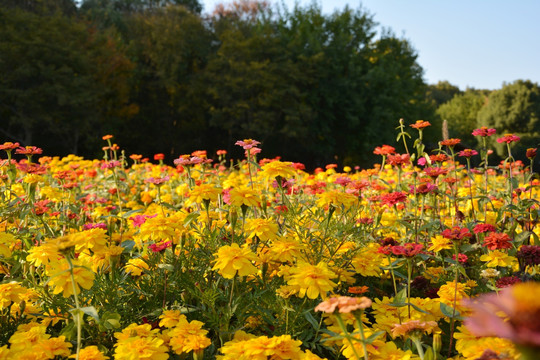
77 316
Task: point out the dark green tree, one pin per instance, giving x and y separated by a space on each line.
61 83
515 108
461 113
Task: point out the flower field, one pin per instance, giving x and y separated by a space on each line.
420 257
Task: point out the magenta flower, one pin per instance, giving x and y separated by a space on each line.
247 143
467 153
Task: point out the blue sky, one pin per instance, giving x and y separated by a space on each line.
470 43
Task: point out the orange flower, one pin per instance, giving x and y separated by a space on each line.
358 290
420 124
344 304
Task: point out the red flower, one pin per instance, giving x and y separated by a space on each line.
456 233
159 156
384 150
434 172
8 146
483 228
28 150
531 153
497 241
407 250
450 142
393 198
398 159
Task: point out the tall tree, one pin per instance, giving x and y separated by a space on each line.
58 79
461 113
515 108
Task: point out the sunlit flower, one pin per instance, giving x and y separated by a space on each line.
439 243
274 169
344 304
483 131
90 353
508 138
244 196
497 241
498 258
60 278
312 280
171 318
232 260
188 336
410 327
136 347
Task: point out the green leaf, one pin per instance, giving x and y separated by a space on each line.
90 311
167 267
429 355
311 320
374 336
449 312
192 216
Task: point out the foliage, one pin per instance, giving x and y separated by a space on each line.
515 108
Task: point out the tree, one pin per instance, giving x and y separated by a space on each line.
461 113
61 83
515 108
442 92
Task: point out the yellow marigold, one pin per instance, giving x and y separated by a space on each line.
312 280
336 198
472 347
136 330
284 347
27 336
207 192
498 258
7 240
308 355
186 337
244 196
286 250
439 243
44 254
433 274
274 169
11 292
60 278
158 228
414 328
90 353
350 351
139 348
231 260
171 318
368 261
53 347
389 351
264 229
136 266
100 260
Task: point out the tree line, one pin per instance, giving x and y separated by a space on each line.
163 77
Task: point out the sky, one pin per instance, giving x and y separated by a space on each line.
479 44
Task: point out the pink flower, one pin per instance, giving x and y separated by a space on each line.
247 143
508 138
483 131
520 305
467 153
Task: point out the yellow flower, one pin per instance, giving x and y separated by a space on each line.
264 229
186 337
44 254
10 293
135 348
232 260
27 336
136 266
90 353
286 250
312 280
498 258
60 278
336 198
202 192
274 169
368 261
244 196
439 243
171 318
52 347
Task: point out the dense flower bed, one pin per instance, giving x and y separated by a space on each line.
127 259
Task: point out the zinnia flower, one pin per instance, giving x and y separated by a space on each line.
344 304
508 138
497 241
520 305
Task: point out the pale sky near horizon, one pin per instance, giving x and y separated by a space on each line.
470 43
